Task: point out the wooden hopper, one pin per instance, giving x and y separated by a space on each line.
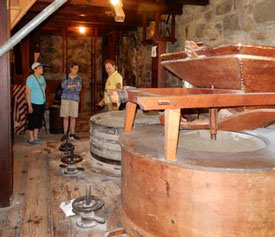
250 68
242 67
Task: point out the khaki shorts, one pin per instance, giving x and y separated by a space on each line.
69 108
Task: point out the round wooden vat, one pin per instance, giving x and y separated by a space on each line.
105 129
215 188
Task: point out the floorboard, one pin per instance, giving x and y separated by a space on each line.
40 186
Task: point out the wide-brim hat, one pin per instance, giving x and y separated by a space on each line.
36 64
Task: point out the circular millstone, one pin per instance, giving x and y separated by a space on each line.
200 140
231 152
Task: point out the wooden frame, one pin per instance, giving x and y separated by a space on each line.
171 100
6 159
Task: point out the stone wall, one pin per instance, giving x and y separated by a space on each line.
51 55
225 22
135 62
220 22
79 51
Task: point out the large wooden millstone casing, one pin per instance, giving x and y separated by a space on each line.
105 129
227 192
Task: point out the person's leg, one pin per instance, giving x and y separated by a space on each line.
32 125
30 135
72 125
65 124
39 116
64 112
73 115
35 133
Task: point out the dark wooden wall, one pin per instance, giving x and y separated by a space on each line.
5 121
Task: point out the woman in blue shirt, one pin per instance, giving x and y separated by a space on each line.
70 98
36 98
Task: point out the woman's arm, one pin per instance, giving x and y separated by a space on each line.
78 85
28 98
118 86
64 82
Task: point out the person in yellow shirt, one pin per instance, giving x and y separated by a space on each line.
114 81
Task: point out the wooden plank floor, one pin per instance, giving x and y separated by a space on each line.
40 186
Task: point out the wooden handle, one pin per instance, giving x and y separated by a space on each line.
118 96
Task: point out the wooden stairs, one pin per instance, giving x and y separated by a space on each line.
18 8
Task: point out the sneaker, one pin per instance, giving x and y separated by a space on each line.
39 141
74 137
64 137
31 142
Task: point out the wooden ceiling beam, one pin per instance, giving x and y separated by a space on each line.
95 24
194 2
137 5
90 20
162 8
98 3
73 9
56 26
81 11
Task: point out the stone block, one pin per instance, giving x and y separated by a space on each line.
248 23
264 11
224 8
242 3
239 37
231 22
209 16
200 31
211 32
259 35
190 31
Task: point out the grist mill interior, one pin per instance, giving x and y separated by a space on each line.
150 118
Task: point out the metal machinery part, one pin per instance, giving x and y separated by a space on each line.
85 207
66 148
70 159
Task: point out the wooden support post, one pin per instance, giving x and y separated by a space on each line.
105 55
130 116
64 50
173 26
111 45
172 121
92 82
34 46
144 24
95 69
161 71
213 125
157 23
6 161
25 52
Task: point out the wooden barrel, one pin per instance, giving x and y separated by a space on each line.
105 129
215 188
56 122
